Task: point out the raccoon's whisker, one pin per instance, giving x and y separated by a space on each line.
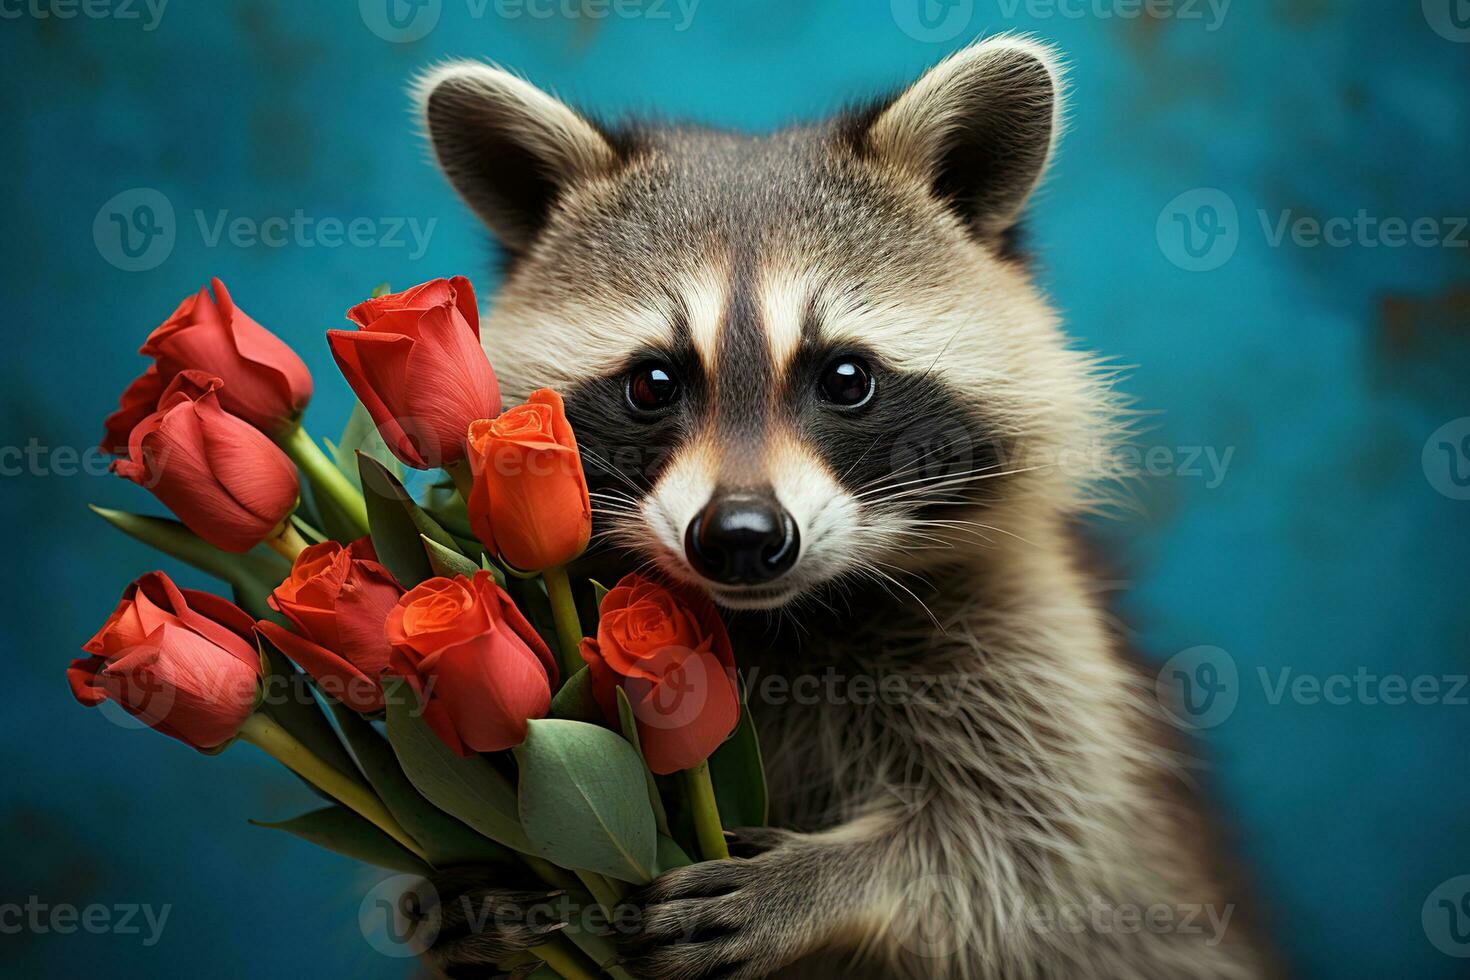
971 525
877 569
610 468
919 486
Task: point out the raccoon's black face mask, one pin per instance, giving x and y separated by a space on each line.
792 360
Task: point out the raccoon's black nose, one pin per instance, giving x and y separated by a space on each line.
742 539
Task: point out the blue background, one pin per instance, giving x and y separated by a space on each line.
1326 549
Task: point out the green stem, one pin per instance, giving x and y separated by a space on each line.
325 479
568 626
707 827
602 890
264 733
289 544
564 959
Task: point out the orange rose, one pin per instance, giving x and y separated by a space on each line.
479 668
417 366
182 662
668 650
529 503
265 383
220 475
338 599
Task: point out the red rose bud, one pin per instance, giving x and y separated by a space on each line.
220 475
416 364
338 600
265 383
182 662
139 401
529 503
668 650
479 669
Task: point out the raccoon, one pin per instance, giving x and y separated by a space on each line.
812 376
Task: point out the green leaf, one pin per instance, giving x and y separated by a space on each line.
739 775
291 702
307 531
361 435
341 831
469 789
574 702
381 289
629 723
398 524
529 595
671 855
447 562
254 573
444 839
583 801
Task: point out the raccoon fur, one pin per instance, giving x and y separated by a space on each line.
812 375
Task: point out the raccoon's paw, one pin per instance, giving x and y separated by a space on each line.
732 920
466 924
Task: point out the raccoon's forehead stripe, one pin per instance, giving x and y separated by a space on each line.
743 376
788 303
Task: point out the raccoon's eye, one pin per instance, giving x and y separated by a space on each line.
847 382
652 387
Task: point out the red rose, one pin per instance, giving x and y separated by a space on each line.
668 650
139 401
529 502
338 599
220 475
416 364
182 662
478 667
265 383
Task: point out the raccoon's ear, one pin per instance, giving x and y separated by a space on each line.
508 148
978 128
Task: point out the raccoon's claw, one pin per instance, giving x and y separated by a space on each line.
468 925
721 920
749 842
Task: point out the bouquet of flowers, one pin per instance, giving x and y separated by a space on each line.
425 663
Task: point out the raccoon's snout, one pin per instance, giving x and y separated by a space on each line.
742 539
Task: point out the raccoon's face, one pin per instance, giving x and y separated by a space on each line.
791 360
